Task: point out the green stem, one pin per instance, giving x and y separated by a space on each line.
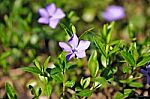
64 85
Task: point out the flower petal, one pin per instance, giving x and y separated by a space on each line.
65 46
43 12
148 79
81 54
83 45
69 56
148 68
51 9
73 41
59 14
144 72
53 23
113 12
43 20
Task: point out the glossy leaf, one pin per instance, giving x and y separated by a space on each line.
93 65
85 82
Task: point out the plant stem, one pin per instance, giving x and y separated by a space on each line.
64 84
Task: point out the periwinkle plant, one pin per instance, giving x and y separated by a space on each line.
100 63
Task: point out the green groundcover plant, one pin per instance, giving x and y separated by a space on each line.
109 62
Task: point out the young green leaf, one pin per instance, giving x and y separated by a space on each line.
127 92
143 61
73 29
128 57
118 95
46 63
104 61
37 64
100 46
85 82
70 84
34 70
48 89
85 93
101 80
10 91
93 64
58 77
136 84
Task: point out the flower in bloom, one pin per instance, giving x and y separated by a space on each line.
146 73
50 15
75 48
113 13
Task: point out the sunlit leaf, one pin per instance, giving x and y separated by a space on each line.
93 64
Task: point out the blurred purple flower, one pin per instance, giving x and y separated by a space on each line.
113 13
50 15
146 73
75 49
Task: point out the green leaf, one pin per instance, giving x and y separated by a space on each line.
48 89
104 61
100 46
70 84
73 29
55 70
109 31
93 64
143 61
67 29
126 69
46 63
85 82
62 61
127 92
10 91
136 84
34 70
118 95
85 93
101 80
58 77
5 55
37 64
39 91
128 57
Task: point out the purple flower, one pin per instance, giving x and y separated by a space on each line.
113 13
74 49
146 73
50 15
